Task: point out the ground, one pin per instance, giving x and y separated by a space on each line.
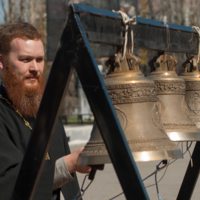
106 184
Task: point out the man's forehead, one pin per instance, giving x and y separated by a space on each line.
26 46
20 41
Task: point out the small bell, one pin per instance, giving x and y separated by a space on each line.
173 108
134 100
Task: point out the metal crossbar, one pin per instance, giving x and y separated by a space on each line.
105 27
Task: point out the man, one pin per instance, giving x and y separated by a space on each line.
22 65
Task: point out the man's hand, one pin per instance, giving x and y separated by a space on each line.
71 161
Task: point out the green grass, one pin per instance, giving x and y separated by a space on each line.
75 119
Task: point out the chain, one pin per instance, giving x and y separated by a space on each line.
17 111
26 122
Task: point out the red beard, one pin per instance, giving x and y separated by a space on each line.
24 98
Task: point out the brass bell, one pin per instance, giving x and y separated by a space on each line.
172 106
134 100
192 95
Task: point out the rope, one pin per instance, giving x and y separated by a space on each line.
82 191
115 196
128 22
158 169
188 149
196 28
156 182
168 35
169 163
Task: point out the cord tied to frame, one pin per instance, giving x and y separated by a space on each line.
167 35
197 29
82 191
128 22
167 38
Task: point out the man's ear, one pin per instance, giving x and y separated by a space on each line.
2 63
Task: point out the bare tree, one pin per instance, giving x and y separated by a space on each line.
194 13
33 11
11 11
151 9
14 10
23 8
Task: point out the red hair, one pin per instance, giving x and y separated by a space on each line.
21 30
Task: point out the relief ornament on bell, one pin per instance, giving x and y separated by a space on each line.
135 102
192 95
172 105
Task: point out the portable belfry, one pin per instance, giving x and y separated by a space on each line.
86 24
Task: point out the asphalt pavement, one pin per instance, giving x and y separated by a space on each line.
106 185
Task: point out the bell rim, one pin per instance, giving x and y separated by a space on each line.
183 136
143 156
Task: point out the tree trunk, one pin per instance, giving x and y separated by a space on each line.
11 11
151 10
23 16
6 12
34 7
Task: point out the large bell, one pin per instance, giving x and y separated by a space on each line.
134 100
192 95
173 108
